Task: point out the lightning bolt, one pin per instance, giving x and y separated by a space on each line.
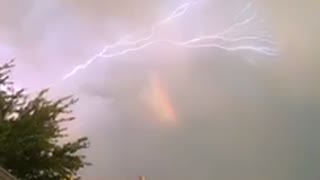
181 10
206 41
261 44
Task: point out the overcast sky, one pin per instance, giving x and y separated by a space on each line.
238 115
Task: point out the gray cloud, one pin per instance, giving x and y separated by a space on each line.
235 120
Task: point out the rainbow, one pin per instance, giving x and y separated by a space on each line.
160 101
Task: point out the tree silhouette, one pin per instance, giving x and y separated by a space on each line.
32 144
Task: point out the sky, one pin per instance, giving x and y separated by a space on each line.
169 112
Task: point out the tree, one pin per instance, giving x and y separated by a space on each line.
32 139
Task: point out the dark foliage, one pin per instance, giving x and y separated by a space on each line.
31 136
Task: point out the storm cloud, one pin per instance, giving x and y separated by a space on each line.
239 116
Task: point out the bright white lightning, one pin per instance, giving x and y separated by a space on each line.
205 41
244 10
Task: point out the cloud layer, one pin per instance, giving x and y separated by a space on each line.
234 120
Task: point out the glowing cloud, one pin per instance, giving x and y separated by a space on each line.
205 41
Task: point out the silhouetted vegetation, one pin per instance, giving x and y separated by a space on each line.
32 144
